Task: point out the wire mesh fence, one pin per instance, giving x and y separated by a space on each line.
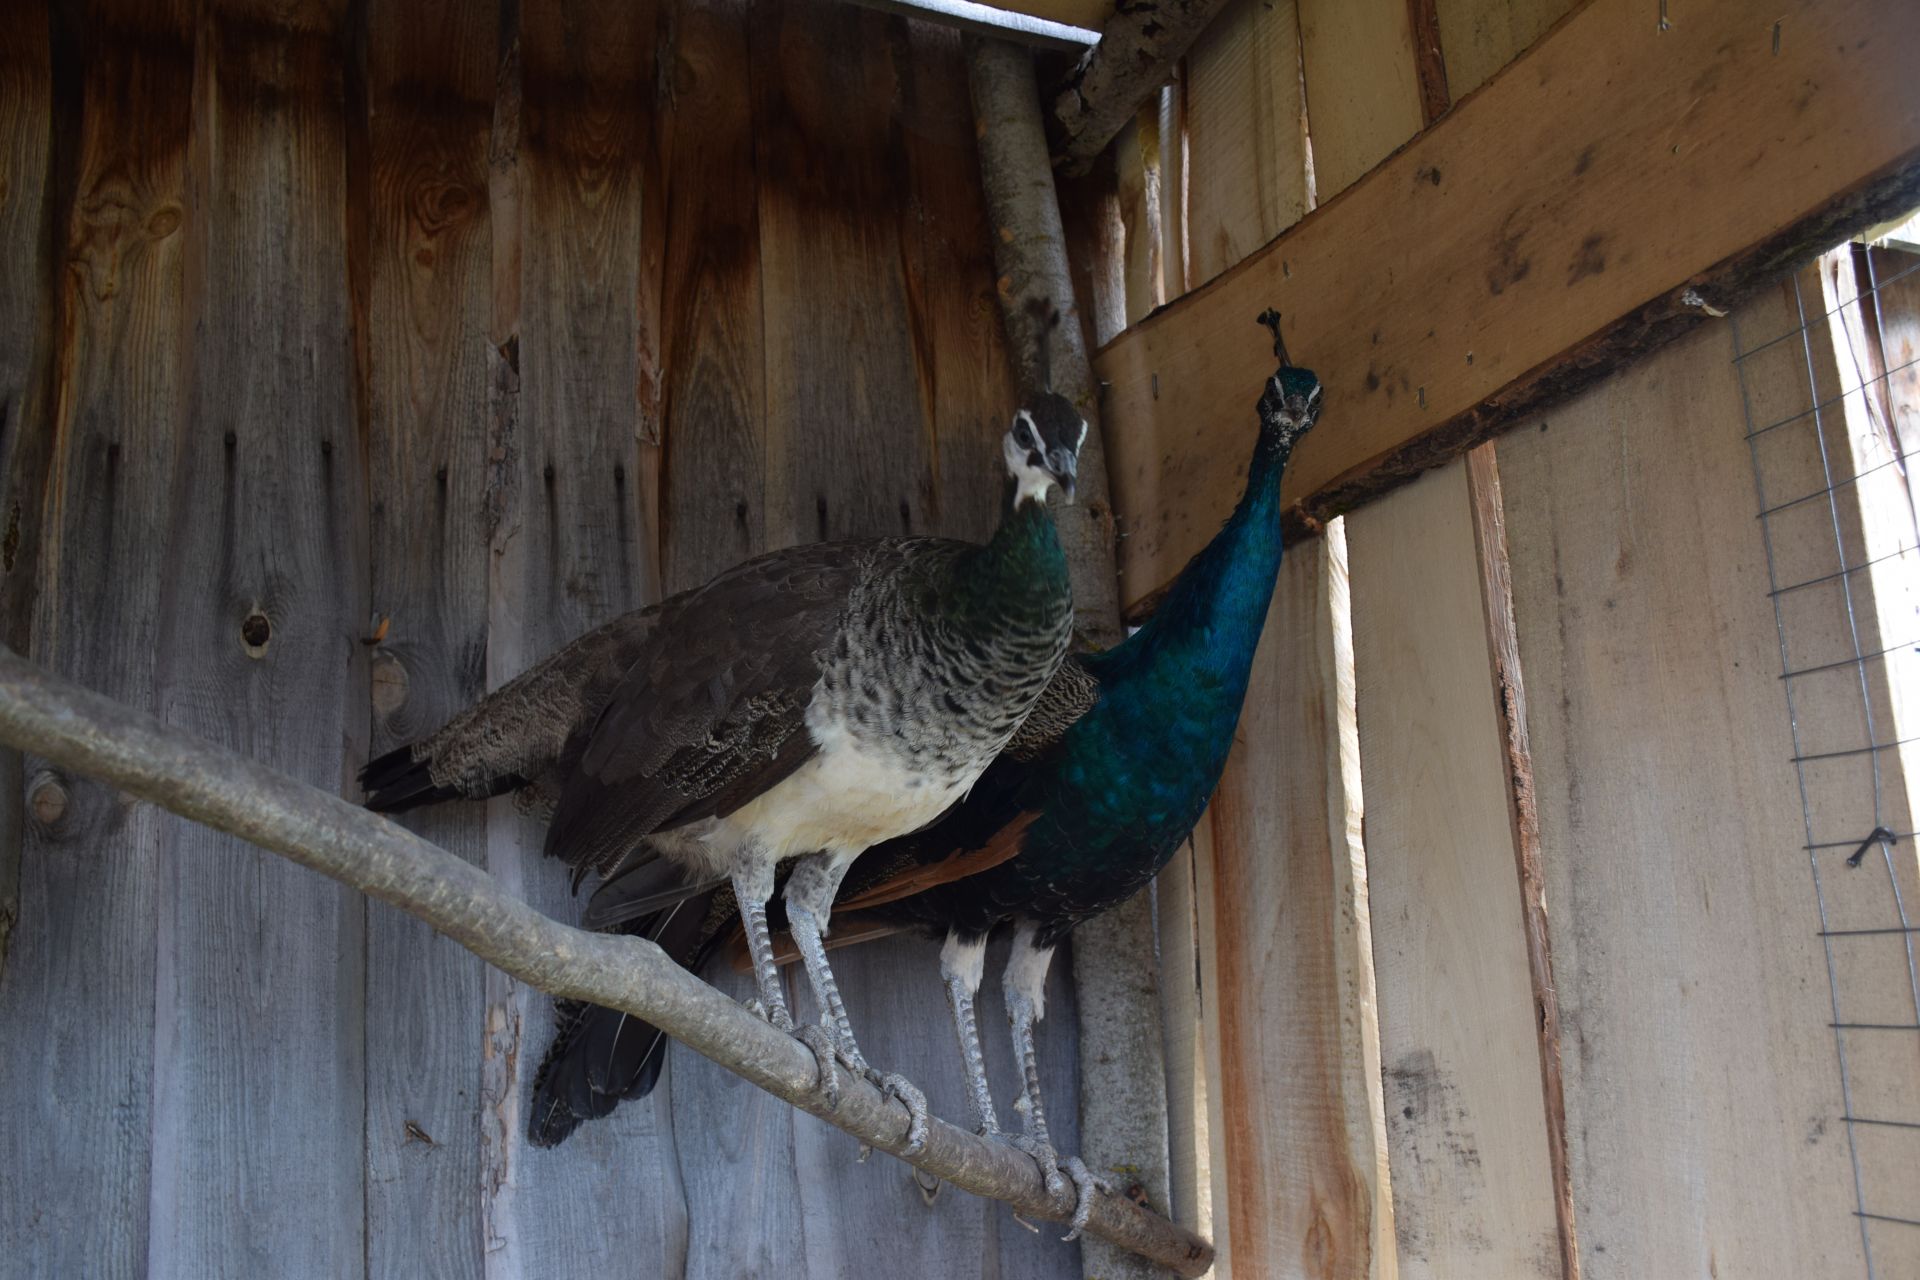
1830 384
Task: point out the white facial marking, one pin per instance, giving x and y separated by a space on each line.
1031 482
966 961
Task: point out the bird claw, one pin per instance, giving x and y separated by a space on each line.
778 1018
826 1055
1085 1183
895 1085
1043 1155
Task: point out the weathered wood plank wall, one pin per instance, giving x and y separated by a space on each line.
355 356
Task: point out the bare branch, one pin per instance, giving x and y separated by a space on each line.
1138 47
89 734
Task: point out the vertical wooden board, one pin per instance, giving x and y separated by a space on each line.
1363 92
1246 127
1205 901
27 271
715 402
1702 1088
737 1171
1472 1189
843 373
572 549
430 77
1478 37
1188 1131
967 389
1173 184
1300 1057
1136 157
258 1132
77 1000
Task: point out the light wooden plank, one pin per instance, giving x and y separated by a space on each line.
259 1071
1472 1186
1704 1094
84 587
574 546
1212 1038
1136 157
1528 210
1305 1146
1479 37
1246 125
1484 493
1174 277
1188 1133
430 73
1363 88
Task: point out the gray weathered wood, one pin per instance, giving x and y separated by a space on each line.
259 1081
574 548
100 737
26 342
430 80
77 1004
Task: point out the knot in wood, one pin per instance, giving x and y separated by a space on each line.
255 631
389 679
48 800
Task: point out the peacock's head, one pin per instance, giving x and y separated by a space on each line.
1290 405
1042 447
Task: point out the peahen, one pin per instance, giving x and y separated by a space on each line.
1093 795
813 701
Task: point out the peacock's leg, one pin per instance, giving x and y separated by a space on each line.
961 965
1025 987
810 891
752 886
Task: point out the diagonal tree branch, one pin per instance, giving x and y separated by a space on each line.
90 734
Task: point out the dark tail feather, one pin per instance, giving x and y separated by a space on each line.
397 781
601 1057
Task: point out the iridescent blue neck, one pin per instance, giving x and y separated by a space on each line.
1220 600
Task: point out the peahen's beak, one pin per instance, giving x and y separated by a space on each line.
1066 471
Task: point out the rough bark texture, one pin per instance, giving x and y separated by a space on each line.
1137 51
89 734
1123 1082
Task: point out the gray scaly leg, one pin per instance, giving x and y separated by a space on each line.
752 886
1025 988
961 965
810 891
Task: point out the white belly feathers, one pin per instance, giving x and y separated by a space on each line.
849 796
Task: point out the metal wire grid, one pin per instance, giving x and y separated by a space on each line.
1867 660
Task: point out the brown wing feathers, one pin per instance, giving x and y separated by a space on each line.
712 713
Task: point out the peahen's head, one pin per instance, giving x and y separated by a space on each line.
1290 405
1042 447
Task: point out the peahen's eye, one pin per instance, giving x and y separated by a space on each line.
1023 432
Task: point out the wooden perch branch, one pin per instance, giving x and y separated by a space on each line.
1138 46
90 734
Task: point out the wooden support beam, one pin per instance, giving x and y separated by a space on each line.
1138 47
1569 217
